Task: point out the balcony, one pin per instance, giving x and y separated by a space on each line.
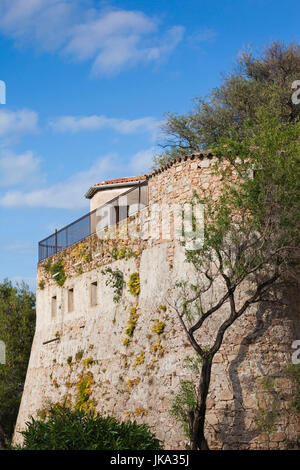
111 213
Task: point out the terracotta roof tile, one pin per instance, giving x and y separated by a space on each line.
121 180
192 156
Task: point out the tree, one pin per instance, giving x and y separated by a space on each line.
17 324
63 428
251 244
256 82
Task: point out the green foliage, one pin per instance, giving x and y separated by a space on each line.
67 429
184 404
134 284
79 355
193 363
84 391
266 419
42 285
261 194
124 253
88 362
118 254
139 359
158 327
252 212
69 360
116 281
131 326
17 324
293 373
47 266
57 271
276 386
262 82
130 330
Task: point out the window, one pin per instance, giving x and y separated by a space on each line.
70 300
93 294
53 306
117 214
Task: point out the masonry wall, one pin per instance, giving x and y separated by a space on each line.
139 378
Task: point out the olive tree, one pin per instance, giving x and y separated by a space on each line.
251 243
256 81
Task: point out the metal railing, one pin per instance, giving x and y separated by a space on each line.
111 213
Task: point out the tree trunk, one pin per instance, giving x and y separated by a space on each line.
198 438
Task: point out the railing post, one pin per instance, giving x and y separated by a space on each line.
139 208
48 246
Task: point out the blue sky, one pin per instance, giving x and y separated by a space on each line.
88 83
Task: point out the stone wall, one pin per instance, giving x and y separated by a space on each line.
137 378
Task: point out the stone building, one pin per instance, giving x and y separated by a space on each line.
119 348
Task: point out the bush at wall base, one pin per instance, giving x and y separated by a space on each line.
66 429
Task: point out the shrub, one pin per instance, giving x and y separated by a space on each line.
66 429
58 272
116 281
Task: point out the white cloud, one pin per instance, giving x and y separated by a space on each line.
142 161
17 122
69 194
96 122
45 23
113 39
204 35
88 38
19 169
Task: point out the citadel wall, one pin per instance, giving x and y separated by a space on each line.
84 349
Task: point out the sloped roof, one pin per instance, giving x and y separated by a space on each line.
121 180
137 179
190 156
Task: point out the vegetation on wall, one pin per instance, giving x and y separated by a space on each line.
81 252
57 271
134 284
293 373
131 324
124 252
286 385
84 391
139 359
116 281
158 327
184 403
